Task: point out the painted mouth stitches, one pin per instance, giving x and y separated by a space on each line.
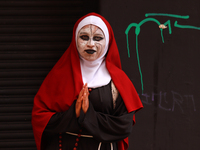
90 51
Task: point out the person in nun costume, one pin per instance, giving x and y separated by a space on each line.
86 102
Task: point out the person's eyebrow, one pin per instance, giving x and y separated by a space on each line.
98 34
83 33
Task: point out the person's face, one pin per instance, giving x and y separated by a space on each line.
91 42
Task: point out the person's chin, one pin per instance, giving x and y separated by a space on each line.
91 58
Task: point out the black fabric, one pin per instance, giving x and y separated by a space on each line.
102 121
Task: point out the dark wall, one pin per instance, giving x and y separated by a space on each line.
165 73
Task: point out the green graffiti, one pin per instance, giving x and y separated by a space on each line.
137 32
185 26
167 15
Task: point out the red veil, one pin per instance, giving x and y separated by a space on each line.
64 82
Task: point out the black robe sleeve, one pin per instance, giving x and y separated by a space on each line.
105 127
63 121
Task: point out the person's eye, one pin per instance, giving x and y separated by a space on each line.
84 37
97 38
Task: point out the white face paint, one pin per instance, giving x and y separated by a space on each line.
91 42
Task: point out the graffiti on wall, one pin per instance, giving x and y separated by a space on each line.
166 25
179 102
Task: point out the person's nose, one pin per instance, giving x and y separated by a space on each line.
90 43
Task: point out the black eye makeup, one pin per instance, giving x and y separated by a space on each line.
84 37
97 38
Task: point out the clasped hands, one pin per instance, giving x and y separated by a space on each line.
82 101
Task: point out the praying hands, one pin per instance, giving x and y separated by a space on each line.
82 101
